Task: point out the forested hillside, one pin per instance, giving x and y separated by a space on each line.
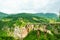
26 26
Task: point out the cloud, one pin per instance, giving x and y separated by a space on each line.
16 6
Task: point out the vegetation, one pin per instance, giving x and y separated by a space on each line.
8 23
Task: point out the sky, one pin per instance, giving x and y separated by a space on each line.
29 6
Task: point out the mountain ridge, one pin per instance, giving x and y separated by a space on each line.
46 15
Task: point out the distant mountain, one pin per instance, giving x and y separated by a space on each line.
47 15
3 15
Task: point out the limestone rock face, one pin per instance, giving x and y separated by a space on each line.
20 32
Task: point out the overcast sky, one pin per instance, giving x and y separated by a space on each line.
29 6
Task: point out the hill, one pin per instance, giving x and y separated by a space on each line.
10 23
47 15
3 15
